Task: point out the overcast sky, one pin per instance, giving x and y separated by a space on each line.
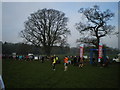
14 14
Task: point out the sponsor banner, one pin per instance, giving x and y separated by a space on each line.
81 50
100 51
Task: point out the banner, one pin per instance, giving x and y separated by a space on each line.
81 50
100 51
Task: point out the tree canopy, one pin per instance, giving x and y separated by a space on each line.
96 26
46 27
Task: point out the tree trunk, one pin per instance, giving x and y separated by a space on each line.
98 41
47 50
97 47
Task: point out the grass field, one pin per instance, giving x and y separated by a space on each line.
34 74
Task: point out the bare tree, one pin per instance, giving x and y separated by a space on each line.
46 27
97 25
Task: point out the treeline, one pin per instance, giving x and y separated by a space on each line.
24 49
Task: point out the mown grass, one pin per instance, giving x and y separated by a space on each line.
34 74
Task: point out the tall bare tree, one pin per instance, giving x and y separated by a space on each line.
46 27
97 25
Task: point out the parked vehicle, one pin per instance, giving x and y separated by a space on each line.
117 59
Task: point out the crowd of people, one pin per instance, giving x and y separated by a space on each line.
74 60
78 61
25 57
67 60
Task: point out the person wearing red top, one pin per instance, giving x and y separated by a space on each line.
27 57
66 63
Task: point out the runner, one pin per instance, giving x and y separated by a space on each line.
66 63
54 62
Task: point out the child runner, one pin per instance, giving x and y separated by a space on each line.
66 63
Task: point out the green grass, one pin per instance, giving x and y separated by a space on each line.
34 74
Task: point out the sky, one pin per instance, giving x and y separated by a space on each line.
119 25
14 14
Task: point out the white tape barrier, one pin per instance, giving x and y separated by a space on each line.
2 86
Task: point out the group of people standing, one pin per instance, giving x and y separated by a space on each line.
67 60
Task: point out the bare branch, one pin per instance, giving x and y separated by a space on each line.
97 25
